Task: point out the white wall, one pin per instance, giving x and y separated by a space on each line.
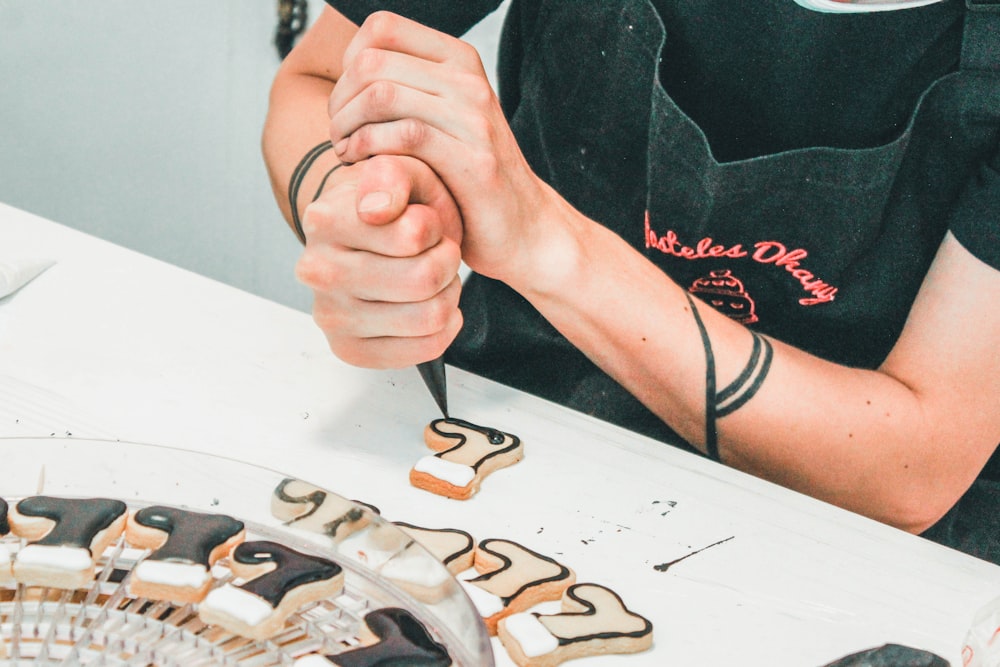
139 121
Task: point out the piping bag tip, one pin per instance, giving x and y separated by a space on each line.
433 375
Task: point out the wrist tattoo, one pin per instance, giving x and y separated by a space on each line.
296 182
739 391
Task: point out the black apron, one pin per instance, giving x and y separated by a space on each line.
824 248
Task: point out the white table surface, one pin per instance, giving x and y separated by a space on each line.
109 343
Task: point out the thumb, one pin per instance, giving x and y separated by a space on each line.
383 191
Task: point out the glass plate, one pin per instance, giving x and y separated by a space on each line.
106 625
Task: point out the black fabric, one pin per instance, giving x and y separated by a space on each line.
454 18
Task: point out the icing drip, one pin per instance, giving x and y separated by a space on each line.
191 536
403 641
77 520
292 569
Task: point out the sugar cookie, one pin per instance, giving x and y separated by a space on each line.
185 545
593 621
456 549
65 537
280 580
466 454
393 637
310 508
513 578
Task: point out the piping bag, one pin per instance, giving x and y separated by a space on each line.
433 374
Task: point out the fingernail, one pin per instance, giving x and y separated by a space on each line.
340 146
374 201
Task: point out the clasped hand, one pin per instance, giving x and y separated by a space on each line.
436 177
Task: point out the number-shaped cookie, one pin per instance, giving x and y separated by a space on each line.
308 507
280 580
65 536
513 578
185 545
594 621
456 549
394 637
466 454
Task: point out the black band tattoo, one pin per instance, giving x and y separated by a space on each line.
739 391
296 182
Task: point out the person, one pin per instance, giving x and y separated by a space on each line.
765 231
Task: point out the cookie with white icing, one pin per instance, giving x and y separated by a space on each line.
593 621
184 546
391 636
466 455
278 581
513 578
301 505
65 536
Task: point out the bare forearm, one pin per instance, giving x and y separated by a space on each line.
862 439
296 142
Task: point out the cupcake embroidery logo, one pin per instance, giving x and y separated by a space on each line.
859 6
725 293
791 260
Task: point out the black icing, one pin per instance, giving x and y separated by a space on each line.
494 437
292 569
192 536
563 573
77 520
4 523
404 642
591 609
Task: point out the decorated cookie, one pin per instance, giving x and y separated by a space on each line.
513 578
65 536
456 549
466 454
310 508
593 621
279 581
393 637
185 545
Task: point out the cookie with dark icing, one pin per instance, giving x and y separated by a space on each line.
184 546
278 580
65 536
393 638
466 455
593 621
513 578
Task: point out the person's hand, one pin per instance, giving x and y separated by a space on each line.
382 257
409 90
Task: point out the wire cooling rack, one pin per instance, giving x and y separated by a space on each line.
105 624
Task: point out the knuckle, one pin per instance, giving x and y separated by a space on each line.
412 133
368 63
381 96
379 24
316 272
